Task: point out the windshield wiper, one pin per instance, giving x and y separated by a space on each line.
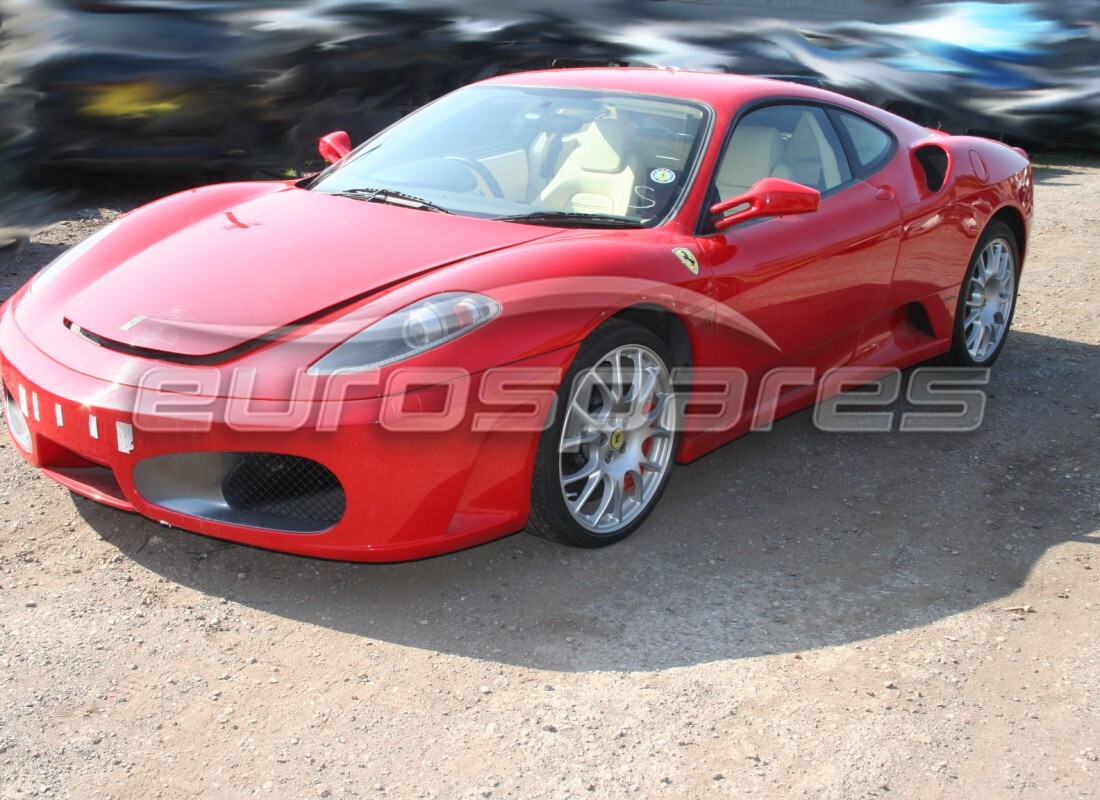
394 198
572 219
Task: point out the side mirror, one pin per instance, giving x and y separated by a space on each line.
334 146
769 197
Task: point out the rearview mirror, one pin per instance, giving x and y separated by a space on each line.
768 197
334 146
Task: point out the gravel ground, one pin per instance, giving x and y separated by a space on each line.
806 614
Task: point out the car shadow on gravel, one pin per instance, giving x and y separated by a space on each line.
1049 173
1050 168
780 542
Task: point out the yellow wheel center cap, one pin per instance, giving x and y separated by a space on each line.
618 438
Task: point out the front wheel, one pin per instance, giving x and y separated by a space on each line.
987 299
606 458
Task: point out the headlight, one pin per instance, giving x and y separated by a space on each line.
409 332
68 257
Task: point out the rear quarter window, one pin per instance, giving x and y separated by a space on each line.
871 145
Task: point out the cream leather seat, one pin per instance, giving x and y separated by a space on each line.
599 175
754 152
809 157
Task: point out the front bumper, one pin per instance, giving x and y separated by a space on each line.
406 494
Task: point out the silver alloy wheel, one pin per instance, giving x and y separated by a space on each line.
990 295
616 442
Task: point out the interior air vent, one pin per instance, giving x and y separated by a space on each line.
933 161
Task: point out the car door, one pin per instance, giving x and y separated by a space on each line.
807 283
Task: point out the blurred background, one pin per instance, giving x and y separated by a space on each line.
216 89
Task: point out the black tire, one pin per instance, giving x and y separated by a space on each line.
963 353
551 517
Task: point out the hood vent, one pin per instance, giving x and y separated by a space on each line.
174 358
934 163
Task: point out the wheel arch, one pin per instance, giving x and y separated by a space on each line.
1011 216
666 325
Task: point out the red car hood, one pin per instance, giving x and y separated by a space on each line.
231 276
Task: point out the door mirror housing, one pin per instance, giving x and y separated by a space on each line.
769 197
334 146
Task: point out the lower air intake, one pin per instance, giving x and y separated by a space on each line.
272 491
284 486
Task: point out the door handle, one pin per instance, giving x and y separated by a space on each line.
885 193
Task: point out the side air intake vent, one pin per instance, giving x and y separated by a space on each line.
934 162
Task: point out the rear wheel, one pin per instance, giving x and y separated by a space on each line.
987 299
606 459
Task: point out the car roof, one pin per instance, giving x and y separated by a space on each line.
721 90
713 88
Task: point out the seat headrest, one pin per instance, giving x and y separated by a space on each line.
753 153
603 144
803 144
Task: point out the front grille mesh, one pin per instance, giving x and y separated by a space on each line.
284 486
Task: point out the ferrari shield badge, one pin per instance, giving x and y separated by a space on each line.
687 258
618 439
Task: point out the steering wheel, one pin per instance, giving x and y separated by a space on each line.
480 170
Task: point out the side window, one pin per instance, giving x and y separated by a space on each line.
869 142
794 142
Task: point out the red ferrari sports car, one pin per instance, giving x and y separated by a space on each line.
510 309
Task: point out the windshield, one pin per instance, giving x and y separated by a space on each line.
533 154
